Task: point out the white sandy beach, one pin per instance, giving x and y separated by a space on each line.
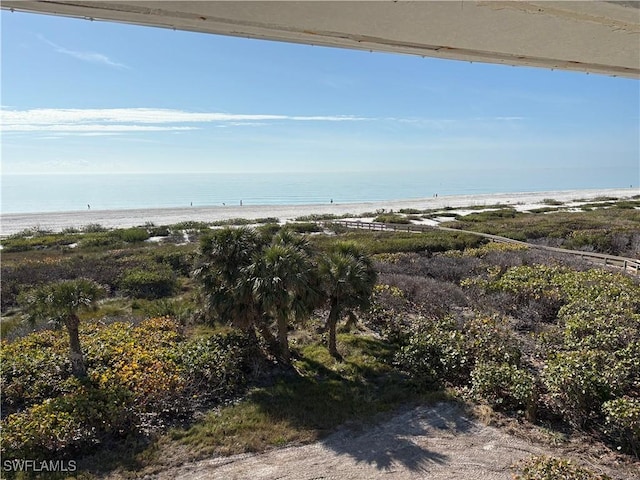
57 221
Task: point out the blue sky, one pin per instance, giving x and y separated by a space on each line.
93 97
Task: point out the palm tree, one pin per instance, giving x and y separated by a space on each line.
220 271
60 302
226 289
284 282
348 278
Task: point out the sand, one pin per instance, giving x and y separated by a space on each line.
57 221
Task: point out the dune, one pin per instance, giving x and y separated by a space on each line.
58 221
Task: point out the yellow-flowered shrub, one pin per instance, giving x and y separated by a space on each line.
139 377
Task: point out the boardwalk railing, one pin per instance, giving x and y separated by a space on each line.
627 264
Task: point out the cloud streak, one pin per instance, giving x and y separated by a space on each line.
140 119
91 57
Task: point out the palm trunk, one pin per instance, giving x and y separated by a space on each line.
283 339
264 330
75 352
332 322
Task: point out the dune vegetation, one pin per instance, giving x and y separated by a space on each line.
121 344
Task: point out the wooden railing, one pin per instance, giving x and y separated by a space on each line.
627 264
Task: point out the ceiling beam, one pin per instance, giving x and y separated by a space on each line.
592 36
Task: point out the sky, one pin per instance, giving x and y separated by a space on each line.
96 97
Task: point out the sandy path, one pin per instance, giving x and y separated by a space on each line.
424 442
12 223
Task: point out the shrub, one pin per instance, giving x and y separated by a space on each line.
503 386
214 367
230 221
132 235
491 215
622 417
488 339
391 218
549 468
93 228
100 239
158 231
67 424
152 283
304 227
435 353
579 382
317 217
37 242
33 369
428 297
179 260
606 326
136 376
268 230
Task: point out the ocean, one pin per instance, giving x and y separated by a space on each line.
61 193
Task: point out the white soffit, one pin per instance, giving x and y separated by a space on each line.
590 36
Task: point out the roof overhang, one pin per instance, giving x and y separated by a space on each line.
591 36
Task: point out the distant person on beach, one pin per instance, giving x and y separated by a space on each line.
192 204
240 202
88 207
332 200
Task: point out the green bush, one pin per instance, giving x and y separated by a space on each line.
317 217
435 353
232 221
391 218
214 367
488 339
38 242
69 423
549 468
606 326
33 369
180 260
93 228
132 235
579 382
503 386
148 283
622 417
304 227
395 242
136 374
100 240
158 231
491 215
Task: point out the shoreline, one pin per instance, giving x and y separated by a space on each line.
12 223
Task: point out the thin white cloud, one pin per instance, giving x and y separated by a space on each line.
140 119
90 128
67 163
91 57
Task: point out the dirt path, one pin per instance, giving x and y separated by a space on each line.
436 442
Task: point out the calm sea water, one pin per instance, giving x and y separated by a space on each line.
50 193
